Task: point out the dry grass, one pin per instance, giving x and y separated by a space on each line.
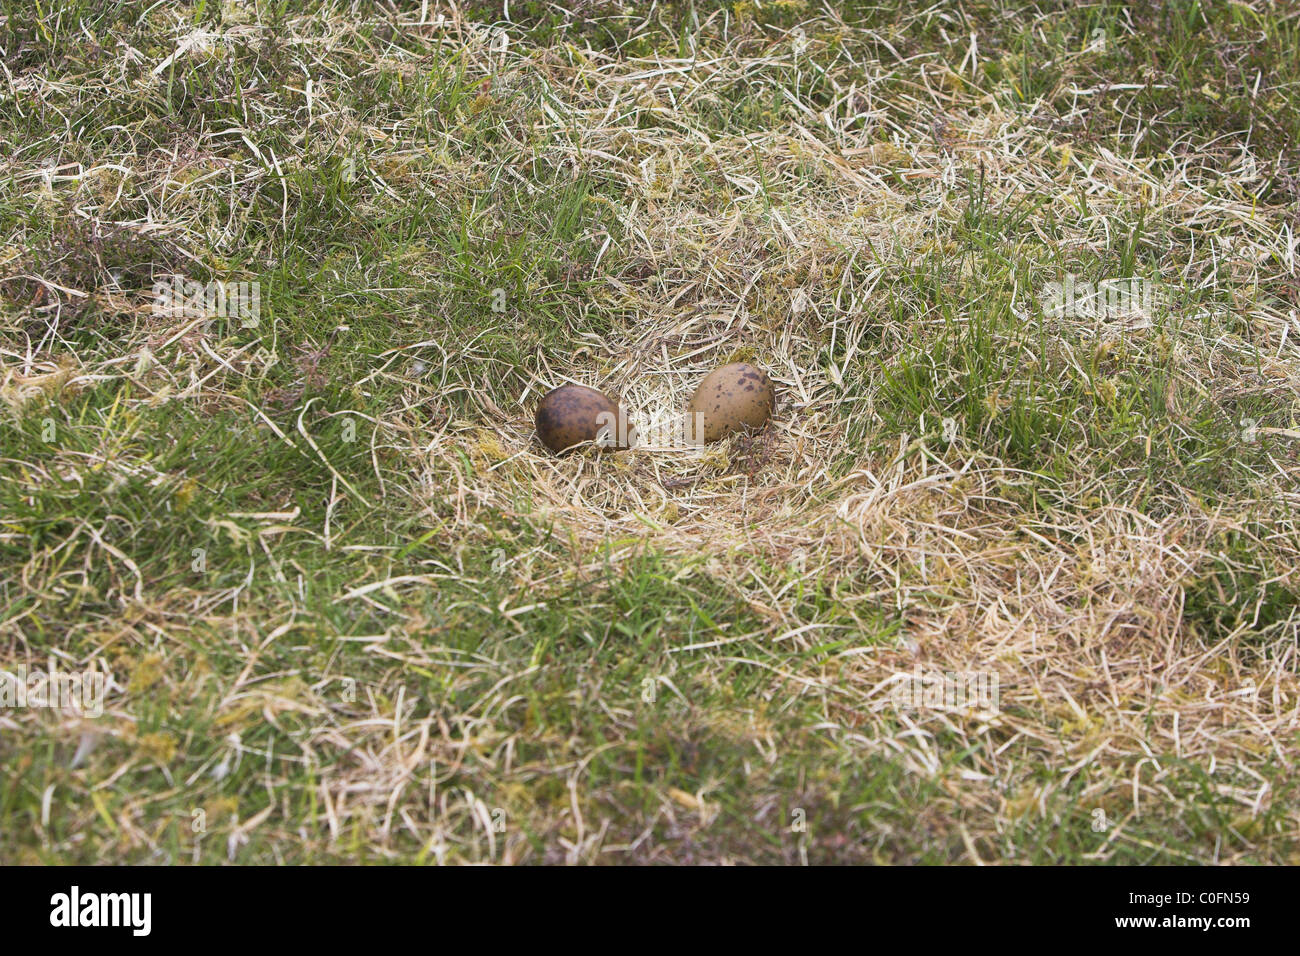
877 241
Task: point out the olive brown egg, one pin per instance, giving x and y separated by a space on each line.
572 414
730 398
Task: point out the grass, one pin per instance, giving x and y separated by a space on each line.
353 611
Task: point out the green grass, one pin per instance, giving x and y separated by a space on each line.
354 613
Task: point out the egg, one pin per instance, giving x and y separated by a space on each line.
572 414
731 398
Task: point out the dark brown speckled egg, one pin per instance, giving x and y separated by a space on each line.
731 398
573 414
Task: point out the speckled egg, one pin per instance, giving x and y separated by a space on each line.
572 414
731 398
